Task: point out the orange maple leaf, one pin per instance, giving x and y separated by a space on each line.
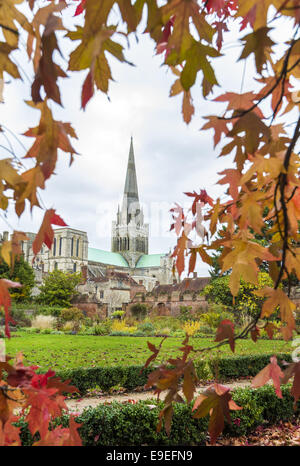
271 371
277 298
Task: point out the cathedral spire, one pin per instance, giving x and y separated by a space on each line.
129 232
131 189
131 205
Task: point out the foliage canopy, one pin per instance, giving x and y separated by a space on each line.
58 288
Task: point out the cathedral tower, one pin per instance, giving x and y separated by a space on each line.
130 233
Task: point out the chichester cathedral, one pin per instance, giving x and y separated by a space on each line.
129 259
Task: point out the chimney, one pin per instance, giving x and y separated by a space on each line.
194 274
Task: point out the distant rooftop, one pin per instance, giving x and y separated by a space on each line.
115 258
106 257
149 260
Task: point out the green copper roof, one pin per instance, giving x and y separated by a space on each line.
106 257
149 260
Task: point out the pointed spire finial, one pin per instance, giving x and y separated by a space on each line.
131 189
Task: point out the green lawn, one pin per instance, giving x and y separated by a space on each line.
69 351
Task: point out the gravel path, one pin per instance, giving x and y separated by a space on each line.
79 405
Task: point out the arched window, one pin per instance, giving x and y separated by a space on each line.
72 246
54 247
60 245
55 266
77 247
74 267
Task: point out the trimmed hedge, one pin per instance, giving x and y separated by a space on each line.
131 377
105 378
135 424
243 366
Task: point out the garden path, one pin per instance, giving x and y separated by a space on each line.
78 405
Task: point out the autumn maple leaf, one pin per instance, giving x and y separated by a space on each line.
5 301
216 401
277 298
226 331
293 370
259 43
218 125
46 233
271 371
80 8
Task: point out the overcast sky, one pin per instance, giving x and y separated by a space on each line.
170 156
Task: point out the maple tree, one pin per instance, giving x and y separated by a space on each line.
263 184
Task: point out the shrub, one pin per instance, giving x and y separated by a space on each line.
22 273
206 330
58 288
126 334
216 314
86 378
147 328
178 334
247 303
163 331
139 311
185 313
72 313
20 318
68 327
100 330
135 424
191 327
48 310
118 314
243 366
121 326
161 322
31 330
42 322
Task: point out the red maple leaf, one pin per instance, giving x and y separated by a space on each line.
5 301
87 90
80 8
46 233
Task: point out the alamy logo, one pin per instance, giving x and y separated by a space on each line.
296 352
2 350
